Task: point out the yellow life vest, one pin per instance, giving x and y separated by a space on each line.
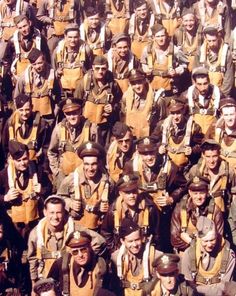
120 18
7 20
72 72
61 18
14 134
21 61
94 105
45 256
41 96
98 46
113 169
69 159
160 69
27 211
138 119
90 216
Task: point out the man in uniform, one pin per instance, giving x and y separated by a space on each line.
121 60
81 271
66 137
216 13
133 260
141 107
47 241
87 190
40 83
169 281
159 177
118 14
120 151
95 32
221 177
224 131
71 59
55 16
162 62
208 262
140 25
133 205
27 127
180 137
203 99
216 56
184 217
47 287
167 13
101 96
25 38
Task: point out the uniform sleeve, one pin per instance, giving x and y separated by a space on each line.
20 85
53 152
32 249
107 229
66 190
42 14
185 265
219 221
228 79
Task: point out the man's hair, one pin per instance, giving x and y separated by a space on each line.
54 201
45 287
196 76
210 147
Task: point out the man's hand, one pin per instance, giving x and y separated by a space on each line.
75 205
172 72
185 237
162 149
164 200
12 194
104 206
107 109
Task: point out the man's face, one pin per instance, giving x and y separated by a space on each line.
122 48
189 22
209 243
100 71
81 255
73 117
129 197
212 41
161 38
138 86
72 39
54 214
93 21
48 293
39 64
202 85
198 197
25 111
21 164
133 242
125 143
149 158
142 11
168 281
90 164
24 27
176 116
229 115
211 158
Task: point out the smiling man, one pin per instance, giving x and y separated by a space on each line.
204 263
87 190
184 218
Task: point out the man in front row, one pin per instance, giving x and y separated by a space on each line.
209 261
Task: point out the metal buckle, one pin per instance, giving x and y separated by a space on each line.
134 286
56 254
89 208
203 111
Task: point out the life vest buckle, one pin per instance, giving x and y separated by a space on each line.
203 111
56 254
134 286
89 208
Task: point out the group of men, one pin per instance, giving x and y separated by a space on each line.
118 147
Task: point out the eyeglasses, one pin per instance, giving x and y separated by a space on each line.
75 252
100 68
126 141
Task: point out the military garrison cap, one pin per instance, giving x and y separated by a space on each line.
136 75
156 28
166 264
198 183
211 30
120 129
91 149
176 104
34 54
78 239
204 226
127 227
199 71
17 149
21 100
139 3
147 144
210 144
71 27
120 37
128 182
54 198
227 102
100 60
91 11
187 11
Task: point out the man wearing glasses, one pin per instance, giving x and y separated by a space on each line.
81 271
